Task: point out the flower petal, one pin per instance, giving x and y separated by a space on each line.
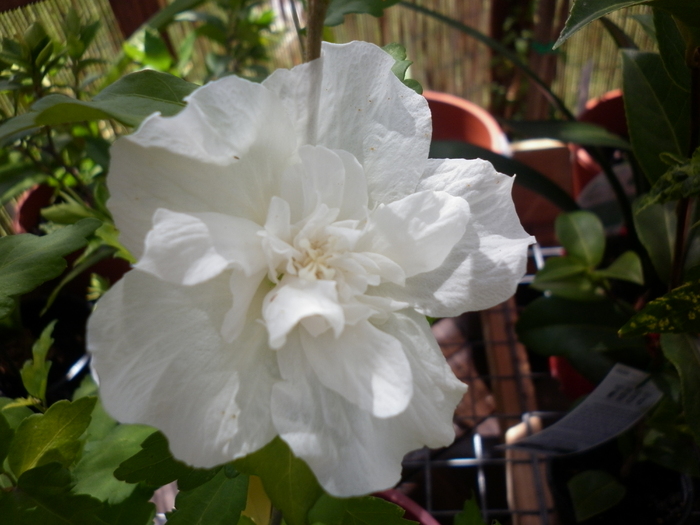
350 451
365 365
192 248
243 288
487 263
294 300
198 161
350 100
148 358
418 231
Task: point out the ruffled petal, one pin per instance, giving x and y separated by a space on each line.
487 263
314 303
243 289
350 100
217 155
193 248
418 231
167 366
350 451
365 365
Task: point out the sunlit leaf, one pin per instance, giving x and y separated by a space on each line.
582 236
35 373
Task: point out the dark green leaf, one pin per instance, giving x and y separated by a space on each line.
50 437
166 15
687 11
16 179
627 267
582 236
356 511
675 312
94 472
67 212
583 332
17 127
672 49
526 176
566 277
154 464
583 133
656 227
339 8
622 39
134 510
684 353
219 501
470 514
658 111
26 260
593 492
287 480
646 21
677 183
35 373
584 12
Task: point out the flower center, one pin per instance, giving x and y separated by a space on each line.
314 262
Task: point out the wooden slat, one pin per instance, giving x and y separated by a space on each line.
131 14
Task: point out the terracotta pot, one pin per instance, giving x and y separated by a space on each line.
455 118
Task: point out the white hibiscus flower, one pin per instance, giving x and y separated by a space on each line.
291 237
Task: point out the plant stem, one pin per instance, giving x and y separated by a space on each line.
314 28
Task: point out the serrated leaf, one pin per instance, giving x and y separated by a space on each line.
94 472
677 183
658 111
339 8
627 267
50 437
43 496
134 510
13 415
154 464
217 502
26 260
676 312
683 351
593 492
582 236
583 133
367 510
288 481
35 373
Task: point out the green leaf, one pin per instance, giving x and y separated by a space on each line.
401 65
17 127
94 472
217 502
35 373
582 236
684 353
101 423
67 212
287 480
627 267
585 333
14 415
50 437
134 510
566 277
356 511
656 227
43 497
26 260
6 435
678 182
593 492
622 39
671 49
156 52
583 133
339 8
154 464
526 176
658 111
584 12
675 312
470 514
